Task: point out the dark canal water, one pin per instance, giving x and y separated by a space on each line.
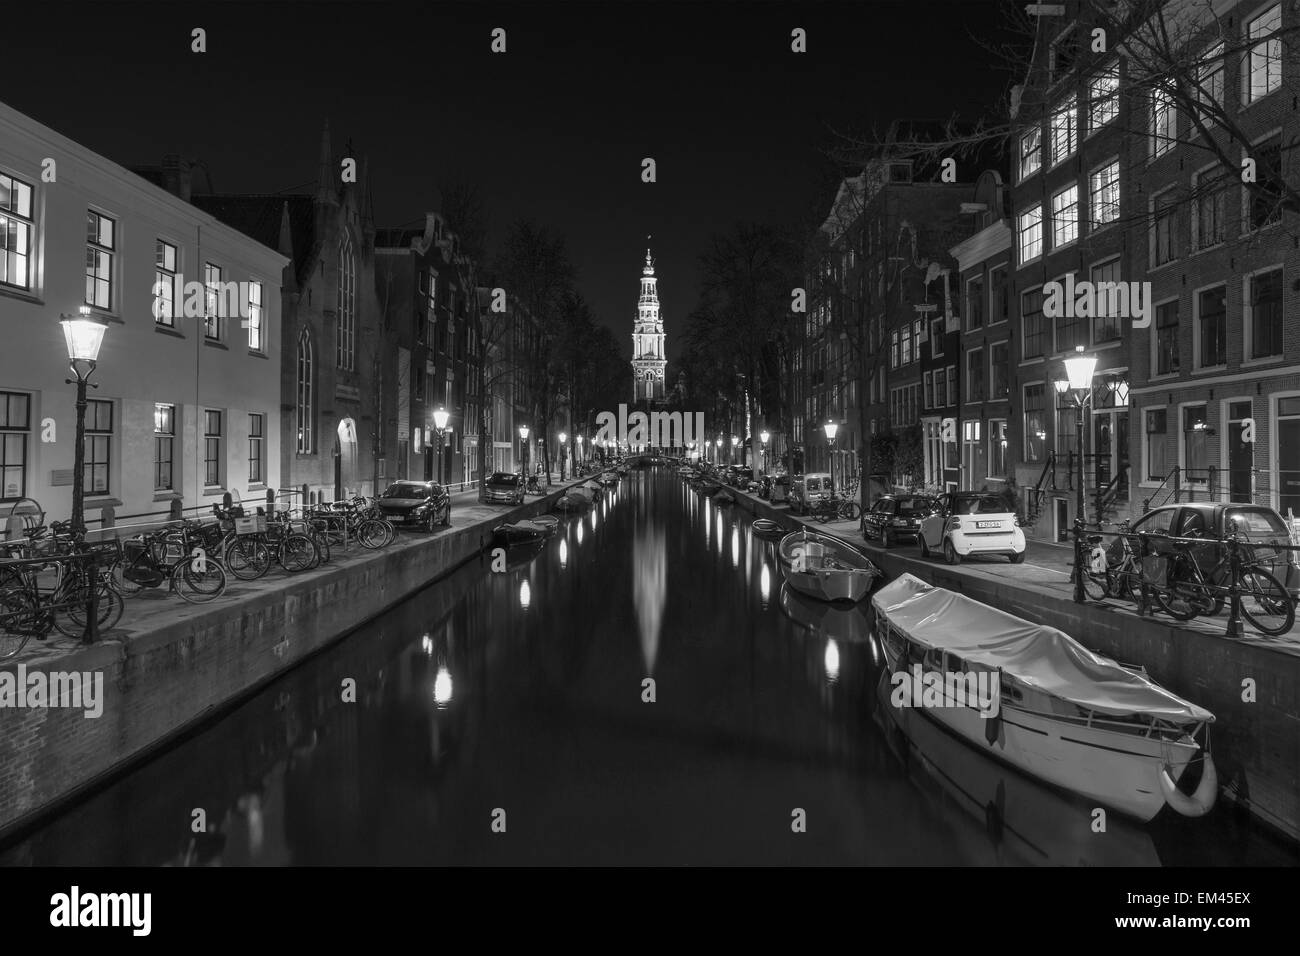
522 692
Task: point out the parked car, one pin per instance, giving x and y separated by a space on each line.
972 522
893 518
809 489
423 503
780 490
504 487
1261 529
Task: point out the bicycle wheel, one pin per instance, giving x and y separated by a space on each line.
21 618
199 587
1178 601
298 553
247 558
372 534
120 582
852 511
70 621
323 545
1265 602
1094 585
1124 583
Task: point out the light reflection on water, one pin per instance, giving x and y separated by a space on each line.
522 689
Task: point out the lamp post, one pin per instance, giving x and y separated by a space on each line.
440 426
763 436
564 438
523 437
735 442
577 455
830 428
717 454
83 337
1078 382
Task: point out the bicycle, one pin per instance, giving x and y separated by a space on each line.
29 608
835 508
1188 592
173 555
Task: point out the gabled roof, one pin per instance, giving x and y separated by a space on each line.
261 217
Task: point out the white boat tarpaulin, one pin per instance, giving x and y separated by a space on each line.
1039 656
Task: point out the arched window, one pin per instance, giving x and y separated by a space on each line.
306 383
347 304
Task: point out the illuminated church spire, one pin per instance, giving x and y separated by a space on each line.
648 358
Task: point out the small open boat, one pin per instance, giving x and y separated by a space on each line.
1052 709
522 532
766 527
710 488
825 567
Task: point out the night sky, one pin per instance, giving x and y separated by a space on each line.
555 129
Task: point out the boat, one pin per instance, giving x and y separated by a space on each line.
1062 714
725 498
608 478
592 489
766 527
521 532
825 567
572 501
710 488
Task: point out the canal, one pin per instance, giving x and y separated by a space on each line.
501 717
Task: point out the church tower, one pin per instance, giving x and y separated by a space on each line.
648 358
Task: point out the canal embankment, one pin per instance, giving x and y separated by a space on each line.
170 666
1251 684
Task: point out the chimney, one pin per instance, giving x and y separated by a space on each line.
176 175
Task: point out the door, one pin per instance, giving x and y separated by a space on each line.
1288 458
1241 454
1103 446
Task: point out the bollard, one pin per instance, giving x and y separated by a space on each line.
1235 627
175 511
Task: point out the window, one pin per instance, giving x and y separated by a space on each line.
940 388
1065 216
1000 298
1105 325
1264 196
1156 446
1163 210
1103 98
16 227
1209 207
15 429
211 448
164 436
1064 135
1164 121
1035 423
906 355
1167 338
1265 316
999 371
936 337
952 385
1262 64
972 449
1031 152
975 375
99 446
347 304
212 301
895 349
1212 321
1209 79
1031 323
255 316
100 243
997 447
1030 233
1196 455
256 436
1067 437
164 283
927 393
1103 195
432 301
306 386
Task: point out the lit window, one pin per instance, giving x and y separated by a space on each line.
100 243
1104 195
1065 216
164 436
1030 232
1263 62
1064 136
255 316
16 227
1103 98
164 283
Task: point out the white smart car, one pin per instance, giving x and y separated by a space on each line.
970 522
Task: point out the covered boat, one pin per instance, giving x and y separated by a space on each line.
766 527
825 567
1061 713
522 532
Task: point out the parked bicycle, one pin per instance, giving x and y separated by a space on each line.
172 555
836 508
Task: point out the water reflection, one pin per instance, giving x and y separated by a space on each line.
843 622
832 660
525 595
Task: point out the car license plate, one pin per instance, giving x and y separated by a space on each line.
988 524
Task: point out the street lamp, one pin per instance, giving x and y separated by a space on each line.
577 455
830 428
1078 383
763 436
564 437
717 455
523 437
440 425
83 337
734 443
